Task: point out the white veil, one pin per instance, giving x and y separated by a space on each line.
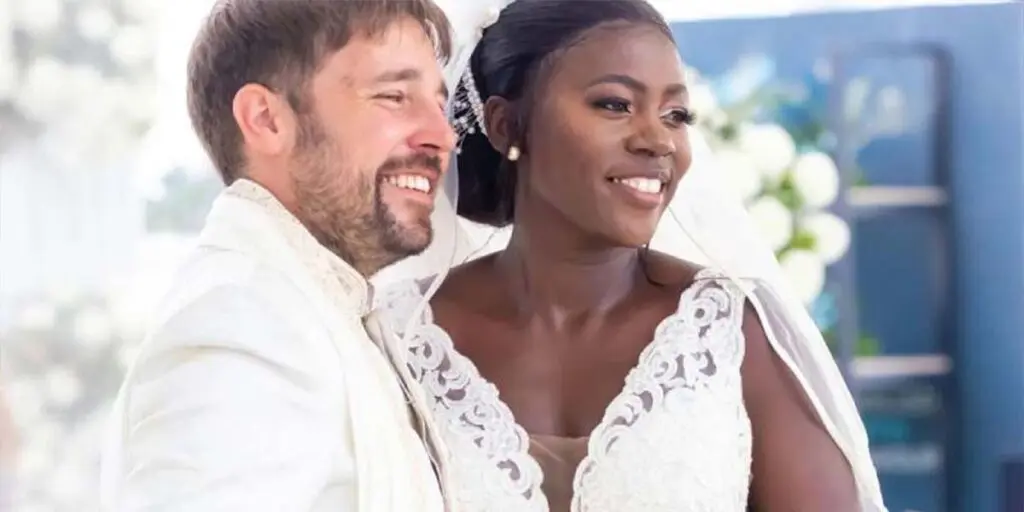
705 223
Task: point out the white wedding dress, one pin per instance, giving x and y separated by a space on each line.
677 437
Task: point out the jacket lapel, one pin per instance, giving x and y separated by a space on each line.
417 399
246 218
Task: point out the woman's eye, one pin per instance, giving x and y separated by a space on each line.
613 105
681 116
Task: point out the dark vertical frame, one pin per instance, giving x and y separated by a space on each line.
848 328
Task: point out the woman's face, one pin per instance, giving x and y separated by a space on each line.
607 142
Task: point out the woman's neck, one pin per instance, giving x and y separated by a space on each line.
562 278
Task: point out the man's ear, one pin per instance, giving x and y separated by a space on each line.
265 119
499 118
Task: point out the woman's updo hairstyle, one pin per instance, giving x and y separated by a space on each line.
506 63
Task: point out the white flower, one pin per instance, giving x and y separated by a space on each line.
816 179
715 119
741 172
37 316
65 292
805 272
8 69
144 10
705 105
770 146
774 221
140 102
38 17
93 327
131 46
85 80
88 82
63 387
68 481
831 235
96 23
127 355
35 457
26 402
43 95
702 98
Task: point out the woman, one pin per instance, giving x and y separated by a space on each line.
629 379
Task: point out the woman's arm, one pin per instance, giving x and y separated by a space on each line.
797 466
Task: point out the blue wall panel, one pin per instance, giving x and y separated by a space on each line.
987 165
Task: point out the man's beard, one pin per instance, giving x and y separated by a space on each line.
343 208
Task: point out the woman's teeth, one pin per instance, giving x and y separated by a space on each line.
409 181
646 185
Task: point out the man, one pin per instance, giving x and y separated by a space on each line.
258 387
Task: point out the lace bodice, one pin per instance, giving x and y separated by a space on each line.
676 438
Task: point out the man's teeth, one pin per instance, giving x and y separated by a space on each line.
410 182
646 185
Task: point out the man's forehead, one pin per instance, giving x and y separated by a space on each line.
405 55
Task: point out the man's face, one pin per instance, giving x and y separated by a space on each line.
373 143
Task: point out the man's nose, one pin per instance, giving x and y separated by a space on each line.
435 132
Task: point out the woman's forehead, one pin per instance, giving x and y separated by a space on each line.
640 51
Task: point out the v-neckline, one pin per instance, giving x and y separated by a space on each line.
472 371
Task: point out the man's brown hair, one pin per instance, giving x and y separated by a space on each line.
280 44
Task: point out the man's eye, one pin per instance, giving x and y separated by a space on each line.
396 97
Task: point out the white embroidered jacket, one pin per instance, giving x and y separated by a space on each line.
259 387
677 438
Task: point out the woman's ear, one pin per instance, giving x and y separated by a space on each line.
499 121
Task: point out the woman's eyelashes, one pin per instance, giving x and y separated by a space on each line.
681 116
616 105
674 117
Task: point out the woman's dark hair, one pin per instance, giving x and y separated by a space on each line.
507 63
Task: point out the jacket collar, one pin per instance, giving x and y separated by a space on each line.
246 217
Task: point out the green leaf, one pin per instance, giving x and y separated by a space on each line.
788 195
867 346
803 239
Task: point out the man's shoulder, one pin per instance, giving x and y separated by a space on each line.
209 273
229 299
250 321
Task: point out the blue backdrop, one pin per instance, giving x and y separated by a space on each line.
987 186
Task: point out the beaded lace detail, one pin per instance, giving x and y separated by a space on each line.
676 438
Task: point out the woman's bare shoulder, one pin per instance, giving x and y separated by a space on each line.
672 273
470 285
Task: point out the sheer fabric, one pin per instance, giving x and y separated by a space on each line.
706 224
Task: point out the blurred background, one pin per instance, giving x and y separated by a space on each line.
878 144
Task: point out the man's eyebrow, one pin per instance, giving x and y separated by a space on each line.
398 75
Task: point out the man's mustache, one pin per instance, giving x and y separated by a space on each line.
415 161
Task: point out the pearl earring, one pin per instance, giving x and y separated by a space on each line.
513 153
